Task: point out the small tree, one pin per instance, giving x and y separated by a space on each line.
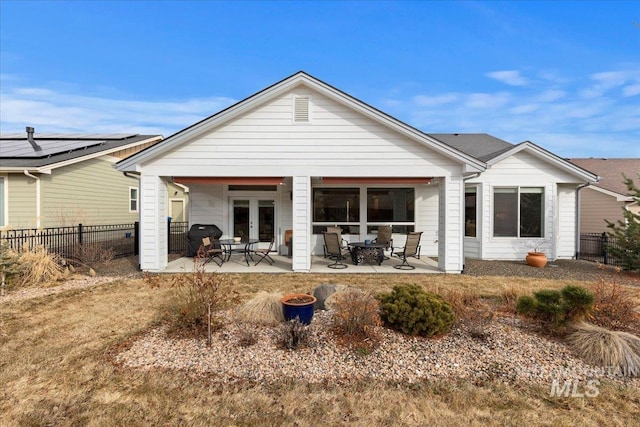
627 232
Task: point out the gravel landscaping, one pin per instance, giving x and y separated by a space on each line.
507 353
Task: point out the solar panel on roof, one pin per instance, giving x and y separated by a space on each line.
53 144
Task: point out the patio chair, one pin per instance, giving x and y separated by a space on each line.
264 253
343 243
384 237
211 249
334 250
411 249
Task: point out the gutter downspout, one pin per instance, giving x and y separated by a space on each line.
38 199
577 242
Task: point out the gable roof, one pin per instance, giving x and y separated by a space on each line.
50 151
482 146
471 163
547 156
610 171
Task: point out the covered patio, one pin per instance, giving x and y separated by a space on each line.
319 264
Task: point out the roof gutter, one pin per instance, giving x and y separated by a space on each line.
134 175
38 198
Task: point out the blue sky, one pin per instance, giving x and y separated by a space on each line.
565 75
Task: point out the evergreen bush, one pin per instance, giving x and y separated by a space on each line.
412 310
571 303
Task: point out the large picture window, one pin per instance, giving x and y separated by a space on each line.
336 206
470 211
343 207
391 205
518 212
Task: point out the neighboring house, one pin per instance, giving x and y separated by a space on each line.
607 198
51 180
303 155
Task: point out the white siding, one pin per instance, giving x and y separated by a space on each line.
523 169
153 223
566 242
337 141
472 247
207 205
426 220
451 214
301 223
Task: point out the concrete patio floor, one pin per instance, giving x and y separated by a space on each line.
319 264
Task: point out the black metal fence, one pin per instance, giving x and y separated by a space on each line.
74 242
595 247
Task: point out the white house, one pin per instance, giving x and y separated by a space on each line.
302 155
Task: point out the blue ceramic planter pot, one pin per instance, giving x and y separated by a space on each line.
298 306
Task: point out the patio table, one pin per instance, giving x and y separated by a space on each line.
368 252
243 246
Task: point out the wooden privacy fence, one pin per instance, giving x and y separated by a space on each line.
71 242
595 247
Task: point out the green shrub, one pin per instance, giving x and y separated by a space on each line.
526 305
413 311
578 302
571 303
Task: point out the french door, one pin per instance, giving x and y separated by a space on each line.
254 217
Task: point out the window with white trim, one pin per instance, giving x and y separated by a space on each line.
470 211
518 212
341 206
133 199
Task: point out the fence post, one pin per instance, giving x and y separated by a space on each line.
136 237
80 233
168 234
605 242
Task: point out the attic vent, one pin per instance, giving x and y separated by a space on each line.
301 110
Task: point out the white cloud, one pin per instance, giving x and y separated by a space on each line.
552 113
432 101
488 100
524 109
631 90
510 77
628 80
551 95
54 111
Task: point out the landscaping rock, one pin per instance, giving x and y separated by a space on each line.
323 292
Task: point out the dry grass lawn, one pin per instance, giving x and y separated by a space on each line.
55 369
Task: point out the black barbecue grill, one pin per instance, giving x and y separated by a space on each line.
197 232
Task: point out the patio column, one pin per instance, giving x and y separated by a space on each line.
450 235
153 223
301 218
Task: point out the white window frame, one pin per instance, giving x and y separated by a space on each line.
363 222
474 188
518 189
130 199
